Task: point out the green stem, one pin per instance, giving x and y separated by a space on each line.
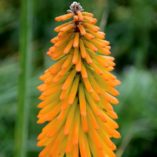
21 131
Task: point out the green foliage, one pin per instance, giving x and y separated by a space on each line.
137 116
131 27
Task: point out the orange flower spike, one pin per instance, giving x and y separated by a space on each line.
63 41
70 119
76 40
84 71
64 17
82 100
83 145
90 19
84 123
54 40
89 45
62 35
78 91
73 91
87 85
76 18
67 62
75 151
76 129
78 65
82 29
82 49
68 47
58 28
67 28
88 59
79 13
88 14
75 56
91 27
89 36
99 35
92 118
69 80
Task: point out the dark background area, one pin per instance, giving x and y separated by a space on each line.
130 26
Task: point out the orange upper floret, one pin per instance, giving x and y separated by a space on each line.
78 16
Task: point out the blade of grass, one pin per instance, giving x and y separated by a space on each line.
100 8
21 129
104 16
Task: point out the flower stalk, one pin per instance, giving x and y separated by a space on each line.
21 130
78 91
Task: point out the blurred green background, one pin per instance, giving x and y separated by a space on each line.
131 27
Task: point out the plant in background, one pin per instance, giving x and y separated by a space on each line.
78 91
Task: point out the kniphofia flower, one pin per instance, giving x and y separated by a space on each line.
78 91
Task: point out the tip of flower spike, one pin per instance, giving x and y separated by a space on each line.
75 7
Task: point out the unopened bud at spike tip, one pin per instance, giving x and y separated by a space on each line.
75 7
